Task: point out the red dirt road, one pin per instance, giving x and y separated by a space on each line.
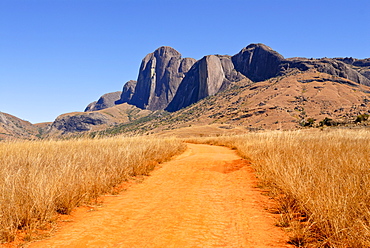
206 197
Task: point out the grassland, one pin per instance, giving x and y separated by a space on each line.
321 180
39 179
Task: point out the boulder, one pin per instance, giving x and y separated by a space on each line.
159 77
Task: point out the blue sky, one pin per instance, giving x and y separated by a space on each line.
57 56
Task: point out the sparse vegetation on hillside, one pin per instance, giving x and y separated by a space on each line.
321 180
39 179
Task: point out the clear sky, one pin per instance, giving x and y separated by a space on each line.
57 56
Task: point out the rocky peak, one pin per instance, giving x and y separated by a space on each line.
159 77
105 101
127 92
166 51
186 64
258 62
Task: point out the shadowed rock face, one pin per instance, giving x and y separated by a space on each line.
79 123
127 92
105 101
258 62
207 76
159 77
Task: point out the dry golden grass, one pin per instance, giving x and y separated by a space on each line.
321 179
39 179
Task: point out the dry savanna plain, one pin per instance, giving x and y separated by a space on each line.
317 179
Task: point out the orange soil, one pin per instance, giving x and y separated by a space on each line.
206 197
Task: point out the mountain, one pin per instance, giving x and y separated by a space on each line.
291 101
12 127
206 77
160 74
168 81
258 62
257 88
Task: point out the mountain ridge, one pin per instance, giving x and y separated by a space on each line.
168 82
214 73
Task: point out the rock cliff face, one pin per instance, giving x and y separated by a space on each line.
208 76
168 81
105 101
127 92
258 62
330 66
355 62
159 77
90 107
362 66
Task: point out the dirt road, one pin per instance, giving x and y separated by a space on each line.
204 198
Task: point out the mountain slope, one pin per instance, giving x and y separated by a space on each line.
284 102
97 120
168 81
12 127
193 91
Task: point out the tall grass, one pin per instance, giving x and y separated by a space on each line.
41 178
321 179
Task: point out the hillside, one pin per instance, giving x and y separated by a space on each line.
12 127
284 102
92 121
